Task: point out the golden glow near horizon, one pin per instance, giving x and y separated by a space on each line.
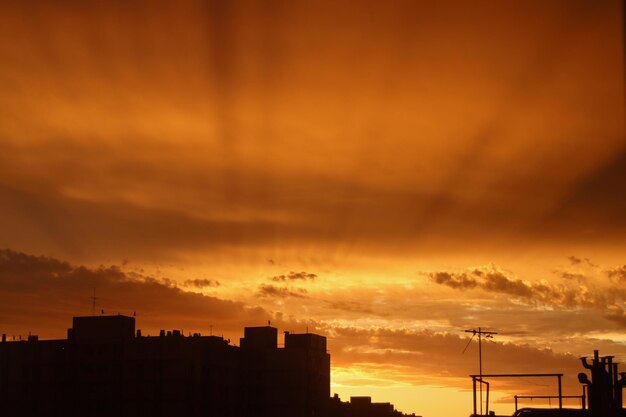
386 174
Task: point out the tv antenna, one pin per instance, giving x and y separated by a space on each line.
94 300
487 335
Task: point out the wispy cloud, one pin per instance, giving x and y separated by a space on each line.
295 276
571 276
574 260
267 290
201 283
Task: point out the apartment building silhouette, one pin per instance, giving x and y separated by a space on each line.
107 368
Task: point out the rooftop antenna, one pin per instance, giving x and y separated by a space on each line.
487 335
93 302
624 40
623 10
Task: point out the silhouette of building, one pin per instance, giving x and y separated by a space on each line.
362 407
292 381
106 368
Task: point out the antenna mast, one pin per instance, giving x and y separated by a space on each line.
488 335
93 302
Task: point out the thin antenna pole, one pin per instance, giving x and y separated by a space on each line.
480 333
93 302
623 22
480 366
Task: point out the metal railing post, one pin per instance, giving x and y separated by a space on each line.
560 393
474 391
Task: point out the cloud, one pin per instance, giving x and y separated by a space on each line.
490 278
201 283
572 276
353 307
487 278
454 280
293 276
618 273
41 294
608 300
266 290
158 178
496 281
574 260
597 200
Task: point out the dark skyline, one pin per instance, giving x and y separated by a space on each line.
105 366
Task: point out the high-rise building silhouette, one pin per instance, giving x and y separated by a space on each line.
106 368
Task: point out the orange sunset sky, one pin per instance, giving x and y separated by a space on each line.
385 173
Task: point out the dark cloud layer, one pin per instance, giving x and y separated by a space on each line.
596 202
116 142
41 294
